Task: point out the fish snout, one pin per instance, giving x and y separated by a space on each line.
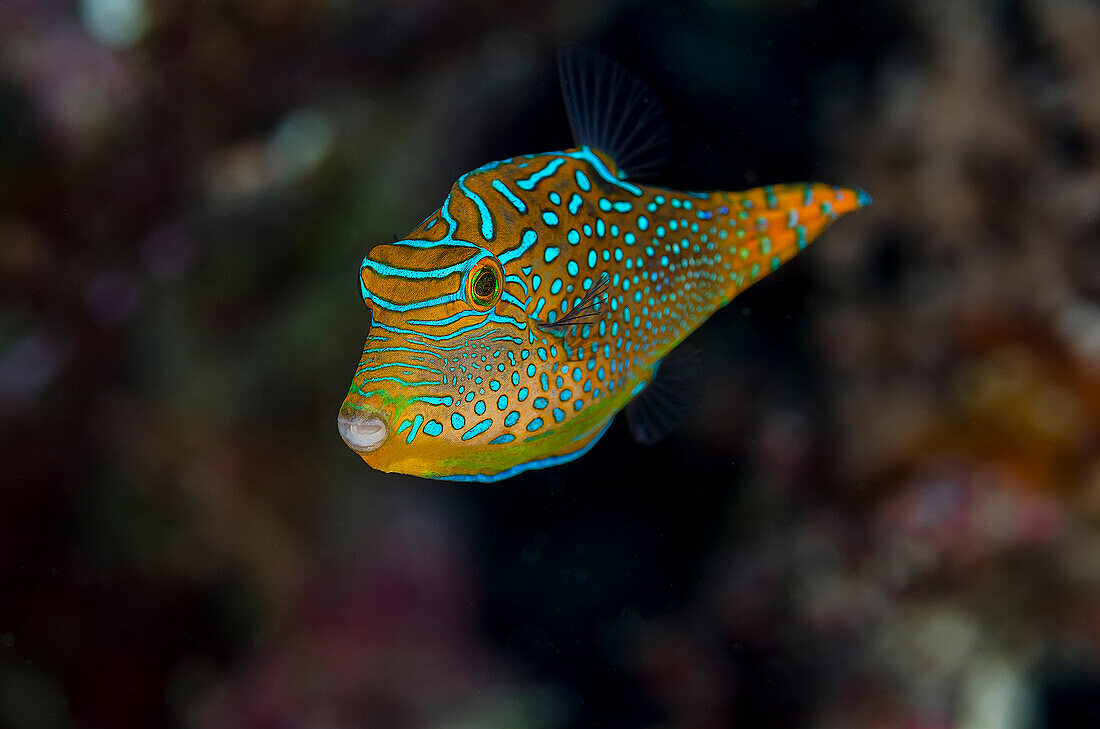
362 430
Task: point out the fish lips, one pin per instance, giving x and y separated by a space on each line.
362 430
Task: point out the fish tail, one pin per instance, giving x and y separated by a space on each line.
767 226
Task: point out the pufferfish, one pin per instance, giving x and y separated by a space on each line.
548 291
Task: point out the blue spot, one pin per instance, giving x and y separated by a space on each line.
503 438
550 218
416 427
479 407
582 181
534 425
522 395
559 415
502 402
540 402
573 237
512 418
477 429
862 198
551 253
433 427
457 421
575 203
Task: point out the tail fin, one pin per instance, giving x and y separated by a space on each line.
769 225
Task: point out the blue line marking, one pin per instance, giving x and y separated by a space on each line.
478 429
549 169
529 239
509 196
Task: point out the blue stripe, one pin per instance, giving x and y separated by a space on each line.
361 370
444 322
398 381
482 209
383 269
391 306
549 169
478 429
509 196
529 239
442 338
511 278
433 400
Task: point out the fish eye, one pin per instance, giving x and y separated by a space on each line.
484 285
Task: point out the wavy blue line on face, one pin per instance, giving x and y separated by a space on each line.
383 269
511 300
529 239
482 208
371 368
434 338
398 381
501 319
449 320
391 306
407 349
519 281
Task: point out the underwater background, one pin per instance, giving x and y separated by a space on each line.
884 513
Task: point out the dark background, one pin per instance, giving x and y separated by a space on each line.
885 513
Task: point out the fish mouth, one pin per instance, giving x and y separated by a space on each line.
362 431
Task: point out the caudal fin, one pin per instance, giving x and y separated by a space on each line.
767 226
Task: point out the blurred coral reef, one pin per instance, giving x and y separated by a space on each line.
885 515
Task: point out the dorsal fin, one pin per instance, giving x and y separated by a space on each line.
613 111
669 397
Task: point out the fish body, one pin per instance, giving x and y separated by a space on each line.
541 298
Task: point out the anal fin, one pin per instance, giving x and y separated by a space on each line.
668 399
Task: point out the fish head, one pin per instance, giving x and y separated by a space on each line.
463 376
